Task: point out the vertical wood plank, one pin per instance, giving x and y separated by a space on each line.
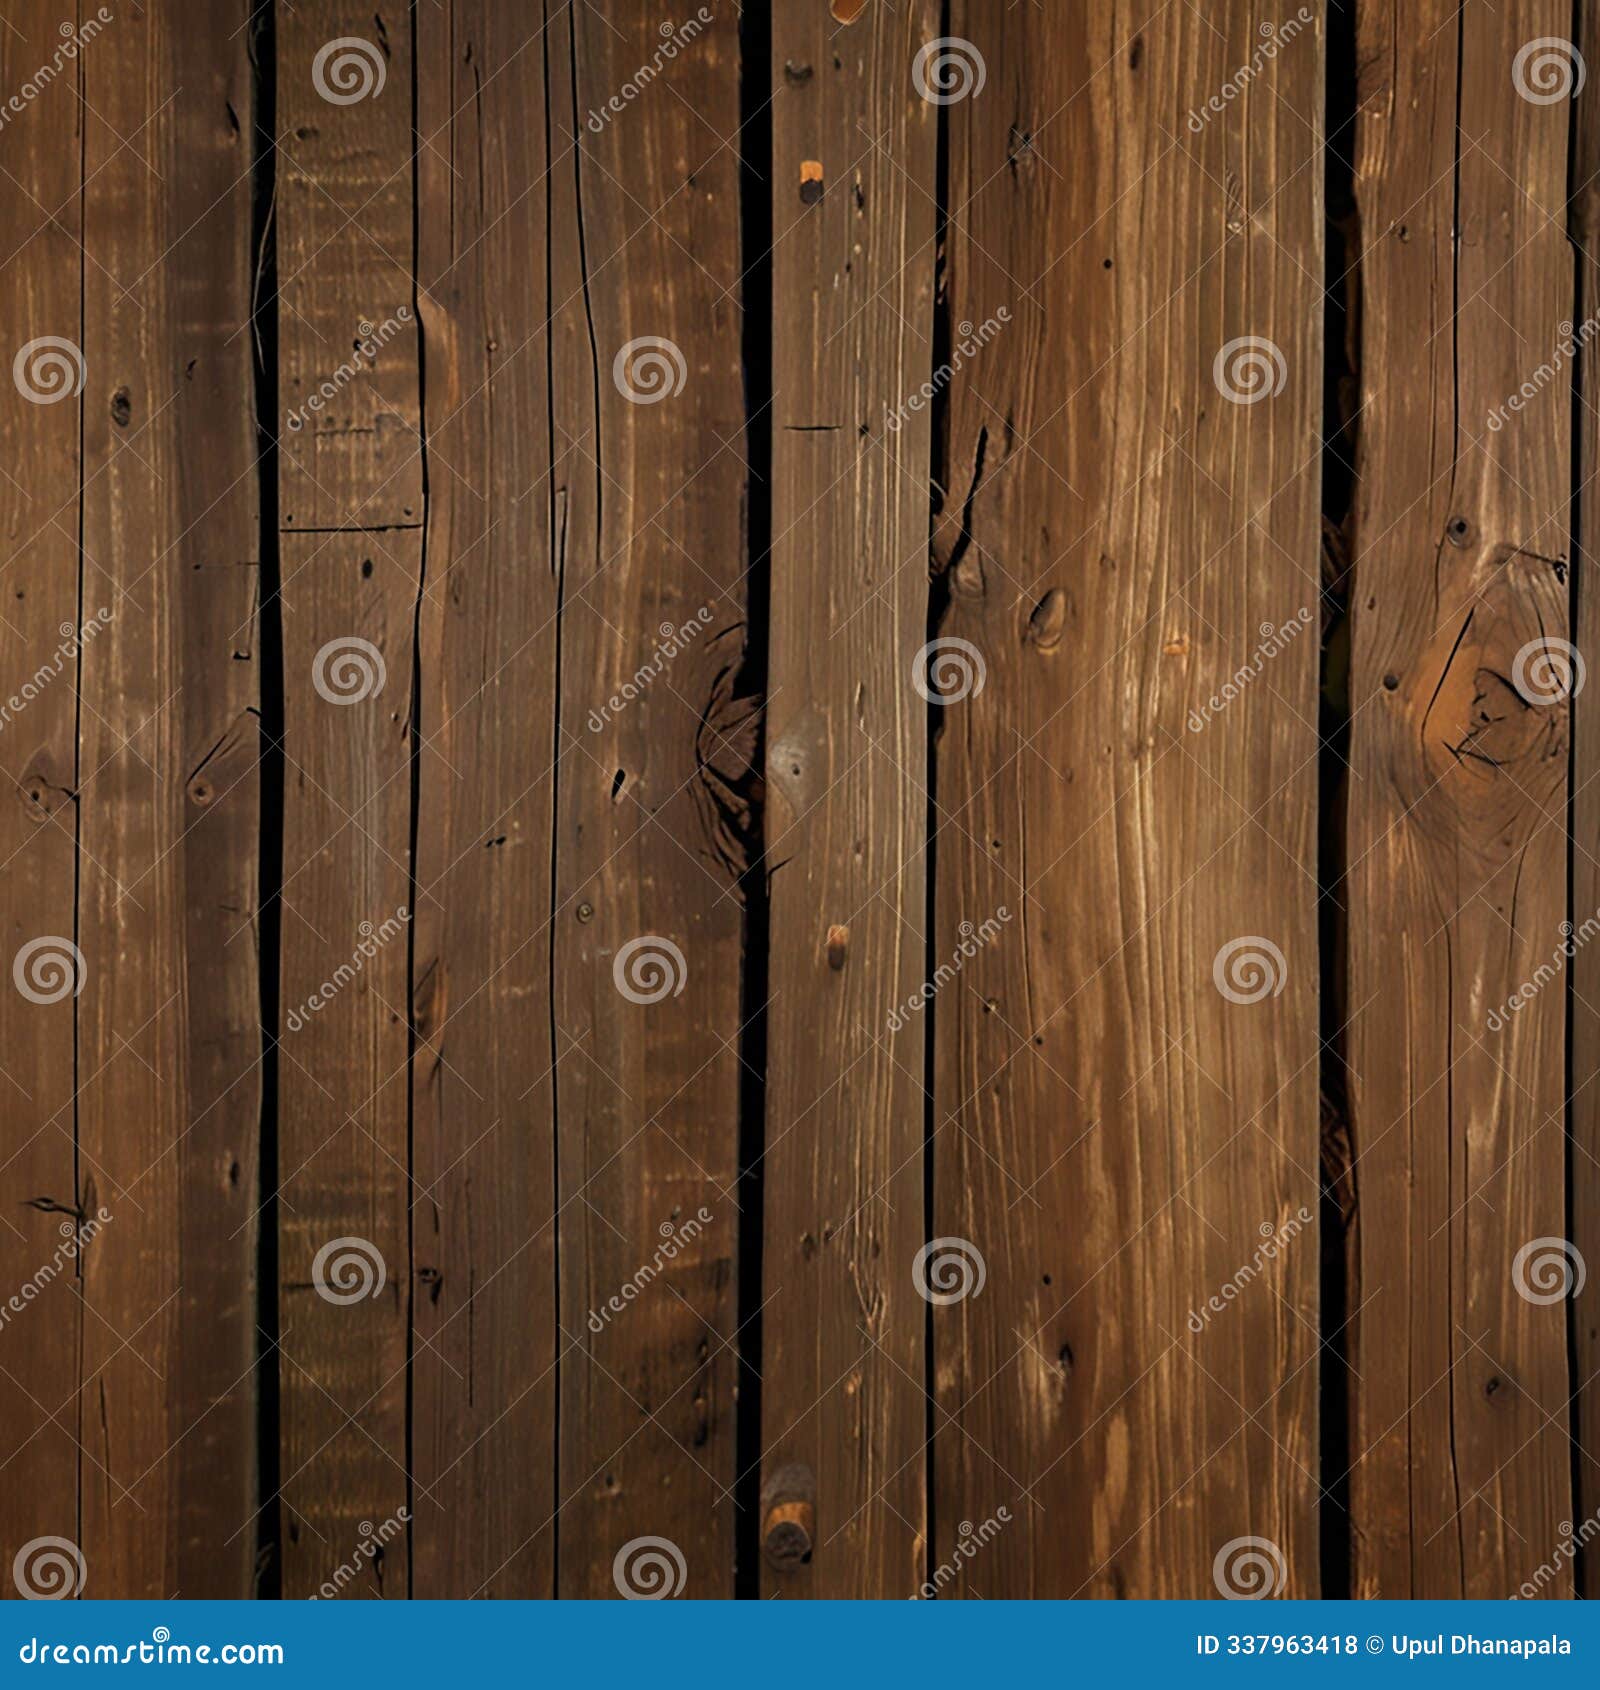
169 1030
1116 1136
1462 1467
349 607
40 281
853 196
648 413
482 1079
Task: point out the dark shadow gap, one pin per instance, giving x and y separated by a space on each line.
1340 469
938 607
269 642
755 246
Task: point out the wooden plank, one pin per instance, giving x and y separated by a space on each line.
40 280
843 1394
482 1081
1584 1033
169 1024
1113 1134
1462 1467
350 448
648 409
349 606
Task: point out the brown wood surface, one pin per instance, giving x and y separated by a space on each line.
1113 1135
692 857
853 271
1461 1466
40 291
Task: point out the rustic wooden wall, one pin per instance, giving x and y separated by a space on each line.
799 799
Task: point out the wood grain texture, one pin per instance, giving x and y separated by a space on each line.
847 752
349 606
484 1367
169 1025
1462 1469
651 806
40 286
1113 1135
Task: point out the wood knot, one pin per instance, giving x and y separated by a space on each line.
789 1517
838 942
